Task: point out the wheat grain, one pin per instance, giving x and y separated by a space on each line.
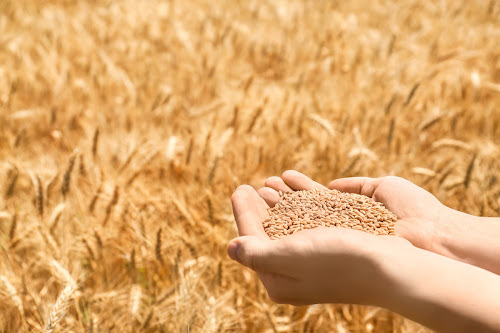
296 211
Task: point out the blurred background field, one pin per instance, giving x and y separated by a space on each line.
126 125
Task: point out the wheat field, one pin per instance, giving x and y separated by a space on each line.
126 125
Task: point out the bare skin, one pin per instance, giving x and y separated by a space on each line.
423 219
335 265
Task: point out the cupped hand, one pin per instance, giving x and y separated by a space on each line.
322 265
419 212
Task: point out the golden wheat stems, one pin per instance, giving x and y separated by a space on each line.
89 249
59 308
213 168
12 293
56 215
49 185
37 184
129 158
67 175
112 203
12 176
95 142
470 168
256 116
62 274
82 167
95 198
132 262
135 299
210 211
147 321
189 150
158 246
13 226
234 121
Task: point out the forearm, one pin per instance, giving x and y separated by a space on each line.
442 293
471 239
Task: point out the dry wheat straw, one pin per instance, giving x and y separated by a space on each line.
59 308
13 226
135 299
37 184
89 249
12 293
147 321
10 184
56 215
112 203
95 142
300 210
158 246
93 202
62 274
65 187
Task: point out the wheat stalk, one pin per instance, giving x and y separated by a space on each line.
65 187
58 310
37 184
135 299
12 293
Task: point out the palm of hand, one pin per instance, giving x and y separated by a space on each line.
418 211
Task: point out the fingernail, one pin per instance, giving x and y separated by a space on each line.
232 251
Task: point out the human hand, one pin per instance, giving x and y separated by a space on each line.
322 265
422 218
337 265
418 211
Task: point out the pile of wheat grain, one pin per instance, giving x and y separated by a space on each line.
296 211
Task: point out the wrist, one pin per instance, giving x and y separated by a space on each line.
389 255
426 289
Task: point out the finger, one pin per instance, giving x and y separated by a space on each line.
249 210
270 196
277 184
263 255
298 181
252 252
359 185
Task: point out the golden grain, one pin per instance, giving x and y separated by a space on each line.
310 209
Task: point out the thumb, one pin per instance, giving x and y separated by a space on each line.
252 252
